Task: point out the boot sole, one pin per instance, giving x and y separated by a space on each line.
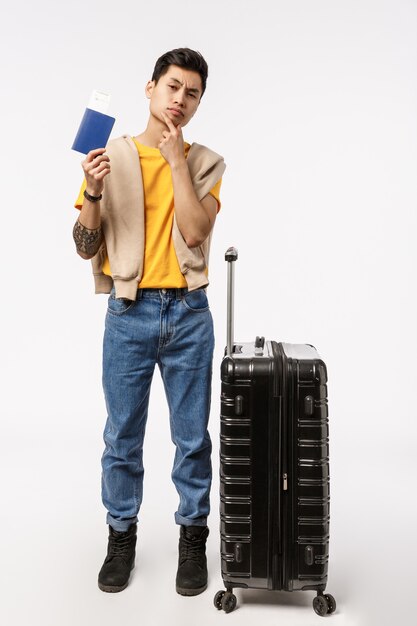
184 591
112 588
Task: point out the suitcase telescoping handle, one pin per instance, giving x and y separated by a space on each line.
231 257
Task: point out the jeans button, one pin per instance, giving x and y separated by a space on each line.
164 290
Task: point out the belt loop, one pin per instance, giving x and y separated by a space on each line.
139 294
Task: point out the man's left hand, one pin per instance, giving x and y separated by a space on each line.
171 145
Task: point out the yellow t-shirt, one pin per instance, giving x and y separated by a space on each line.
160 269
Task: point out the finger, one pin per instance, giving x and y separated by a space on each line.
100 168
167 121
93 153
98 174
102 174
99 159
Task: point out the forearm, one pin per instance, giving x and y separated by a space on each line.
88 234
90 214
192 219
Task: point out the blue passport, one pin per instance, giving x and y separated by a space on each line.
94 131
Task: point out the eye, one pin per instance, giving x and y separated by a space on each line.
172 86
192 95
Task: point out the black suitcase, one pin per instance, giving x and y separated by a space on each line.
274 467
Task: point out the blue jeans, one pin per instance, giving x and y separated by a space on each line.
173 328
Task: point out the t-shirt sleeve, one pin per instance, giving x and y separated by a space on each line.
215 192
79 202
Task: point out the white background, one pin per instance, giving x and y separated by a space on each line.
313 104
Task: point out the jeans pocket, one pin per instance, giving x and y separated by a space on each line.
196 301
118 306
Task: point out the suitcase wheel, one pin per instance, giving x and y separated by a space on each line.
324 605
225 600
218 599
332 603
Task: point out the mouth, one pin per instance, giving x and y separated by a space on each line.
176 112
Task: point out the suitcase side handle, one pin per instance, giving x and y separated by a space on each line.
230 256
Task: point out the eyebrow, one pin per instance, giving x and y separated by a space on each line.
180 83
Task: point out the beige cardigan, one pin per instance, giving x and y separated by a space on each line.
123 219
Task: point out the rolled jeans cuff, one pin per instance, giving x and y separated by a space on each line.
121 526
186 521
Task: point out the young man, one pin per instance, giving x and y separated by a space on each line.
148 206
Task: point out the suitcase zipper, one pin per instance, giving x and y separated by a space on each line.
278 545
281 580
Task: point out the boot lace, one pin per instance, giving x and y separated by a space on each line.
119 545
191 549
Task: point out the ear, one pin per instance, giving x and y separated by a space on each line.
149 88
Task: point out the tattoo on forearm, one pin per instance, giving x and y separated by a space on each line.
87 241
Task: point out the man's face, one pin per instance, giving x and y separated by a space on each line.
177 94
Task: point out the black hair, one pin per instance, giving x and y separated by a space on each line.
183 57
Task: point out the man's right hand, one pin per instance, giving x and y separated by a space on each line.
96 166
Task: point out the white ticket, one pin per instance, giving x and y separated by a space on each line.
99 101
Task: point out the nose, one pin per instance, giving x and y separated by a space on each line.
179 97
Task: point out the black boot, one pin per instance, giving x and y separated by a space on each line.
120 560
192 562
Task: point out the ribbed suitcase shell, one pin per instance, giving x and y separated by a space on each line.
274 468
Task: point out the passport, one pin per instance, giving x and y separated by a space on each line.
94 131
